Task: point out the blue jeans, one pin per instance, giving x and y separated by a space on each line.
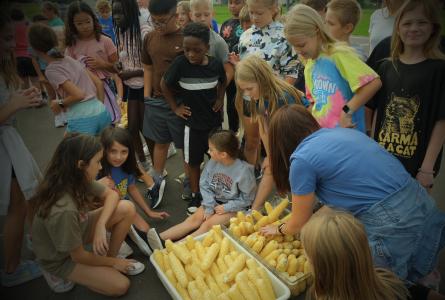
405 232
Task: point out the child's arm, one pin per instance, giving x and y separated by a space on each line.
220 92
137 197
100 93
75 95
19 100
96 63
426 171
181 111
148 75
230 71
361 96
208 197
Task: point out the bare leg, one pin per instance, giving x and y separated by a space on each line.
160 157
252 140
180 230
103 280
134 127
14 228
148 180
140 223
213 220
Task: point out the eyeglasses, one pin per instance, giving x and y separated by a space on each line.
161 23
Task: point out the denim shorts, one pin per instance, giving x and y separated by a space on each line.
405 232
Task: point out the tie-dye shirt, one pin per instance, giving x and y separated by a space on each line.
271 45
331 82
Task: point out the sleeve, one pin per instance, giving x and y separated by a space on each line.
353 69
56 77
208 198
222 50
173 73
145 28
97 188
145 55
65 231
247 190
440 98
131 179
110 48
302 177
243 42
290 65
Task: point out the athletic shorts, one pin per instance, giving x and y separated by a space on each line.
135 94
89 117
196 145
161 124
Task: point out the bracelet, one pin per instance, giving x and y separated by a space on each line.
280 228
425 172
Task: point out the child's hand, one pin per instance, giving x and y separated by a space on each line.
269 230
234 58
218 105
346 120
107 181
425 179
94 63
158 215
55 107
123 265
27 98
219 209
100 243
183 111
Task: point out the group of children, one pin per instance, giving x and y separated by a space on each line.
175 71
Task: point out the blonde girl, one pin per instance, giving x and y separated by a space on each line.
183 13
338 83
412 93
337 248
266 39
261 92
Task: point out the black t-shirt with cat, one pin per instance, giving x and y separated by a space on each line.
410 102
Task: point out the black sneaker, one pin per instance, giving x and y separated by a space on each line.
155 194
194 203
140 239
186 191
154 240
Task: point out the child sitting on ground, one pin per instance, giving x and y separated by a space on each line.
227 185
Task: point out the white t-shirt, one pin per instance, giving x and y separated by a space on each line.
380 26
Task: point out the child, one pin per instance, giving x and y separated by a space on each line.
200 83
81 91
63 222
183 13
410 121
51 11
337 249
338 83
130 34
105 19
118 172
244 19
341 18
161 46
227 185
19 174
266 39
85 41
265 93
318 5
231 31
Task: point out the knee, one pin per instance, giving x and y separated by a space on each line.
126 209
120 287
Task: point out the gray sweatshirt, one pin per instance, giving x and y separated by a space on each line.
233 185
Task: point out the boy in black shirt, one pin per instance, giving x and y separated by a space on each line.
199 80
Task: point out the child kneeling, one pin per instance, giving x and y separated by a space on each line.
227 186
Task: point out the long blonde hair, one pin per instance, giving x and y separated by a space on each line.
8 67
304 21
337 248
271 88
431 47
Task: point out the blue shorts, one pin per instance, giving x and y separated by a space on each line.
406 232
89 117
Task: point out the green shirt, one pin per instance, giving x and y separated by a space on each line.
62 231
56 22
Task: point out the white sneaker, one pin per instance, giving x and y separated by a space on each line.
57 284
154 240
171 150
124 251
59 120
135 268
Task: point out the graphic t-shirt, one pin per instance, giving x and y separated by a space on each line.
122 181
331 82
107 27
197 85
231 31
409 104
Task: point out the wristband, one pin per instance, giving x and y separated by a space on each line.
280 228
60 103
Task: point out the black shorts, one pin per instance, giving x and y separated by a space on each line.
196 144
25 68
135 94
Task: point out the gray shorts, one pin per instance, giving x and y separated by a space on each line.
161 124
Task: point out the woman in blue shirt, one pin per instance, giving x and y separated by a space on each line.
346 170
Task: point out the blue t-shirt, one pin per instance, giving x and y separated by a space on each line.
107 27
345 168
215 25
122 181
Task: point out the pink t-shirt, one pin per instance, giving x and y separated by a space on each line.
21 39
70 69
102 49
